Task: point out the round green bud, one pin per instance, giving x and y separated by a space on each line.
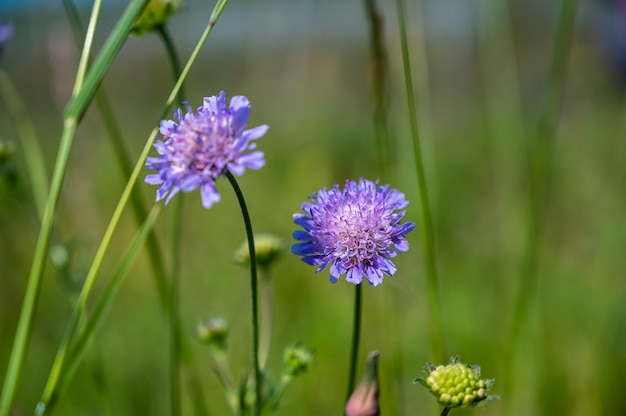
155 14
298 359
456 384
213 332
267 249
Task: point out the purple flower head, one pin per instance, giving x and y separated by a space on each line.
204 145
355 230
6 31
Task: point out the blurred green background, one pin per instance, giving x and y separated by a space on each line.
480 69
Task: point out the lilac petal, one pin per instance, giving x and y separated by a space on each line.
374 276
303 221
163 190
153 179
255 160
334 273
190 183
301 249
171 195
255 133
354 275
301 235
168 127
240 107
209 194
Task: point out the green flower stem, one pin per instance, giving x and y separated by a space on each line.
254 296
356 335
539 164
445 411
30 143
57 366
170 48
125 164
267 294
226 380
428 233
101 307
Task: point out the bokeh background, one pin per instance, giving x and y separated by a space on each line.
480 70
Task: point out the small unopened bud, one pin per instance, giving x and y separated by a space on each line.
213 332
298 360
154 15
267 249
364 399
457 384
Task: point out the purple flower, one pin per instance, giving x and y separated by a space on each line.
6 31
202 146
355 230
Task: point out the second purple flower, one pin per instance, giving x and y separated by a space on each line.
202 146
356 230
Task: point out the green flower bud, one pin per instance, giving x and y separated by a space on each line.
154 15
213 332
457 384
298 359
267 249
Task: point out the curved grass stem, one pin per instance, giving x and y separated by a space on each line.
428 233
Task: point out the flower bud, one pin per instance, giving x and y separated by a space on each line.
267 249
297 359
154 15
213 332
364 399
457 384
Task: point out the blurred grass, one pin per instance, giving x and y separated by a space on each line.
312 90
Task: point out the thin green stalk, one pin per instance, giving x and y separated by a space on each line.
226 380
445 411
57 366
24 326
539 164
256 410
104 302
25 322
30 143
114 134
428 234
79 102
356 335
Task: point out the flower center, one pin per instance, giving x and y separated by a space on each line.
353 234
